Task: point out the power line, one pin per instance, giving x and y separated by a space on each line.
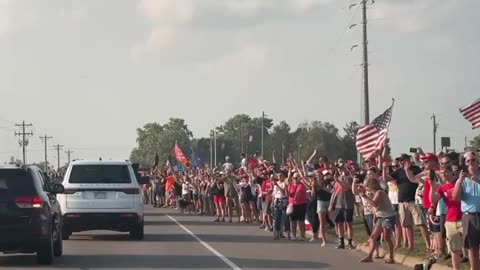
58 147
435 127
24 141
69 152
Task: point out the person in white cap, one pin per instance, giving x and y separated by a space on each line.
227 165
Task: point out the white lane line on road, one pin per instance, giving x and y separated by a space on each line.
214 251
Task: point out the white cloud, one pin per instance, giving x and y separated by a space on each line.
169 17
245 61
304 5
14 16
74 14
167 12
412 16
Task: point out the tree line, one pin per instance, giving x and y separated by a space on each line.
242 134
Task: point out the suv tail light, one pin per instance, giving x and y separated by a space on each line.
131 191
29 202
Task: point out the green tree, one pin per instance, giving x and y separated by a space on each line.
237 131
349 141
281 141
154 138
475 143
320 136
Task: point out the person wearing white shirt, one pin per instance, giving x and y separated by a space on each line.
280 202
228 165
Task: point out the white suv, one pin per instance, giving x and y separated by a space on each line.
101 195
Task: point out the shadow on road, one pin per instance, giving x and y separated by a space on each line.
210 238
198 223
155 261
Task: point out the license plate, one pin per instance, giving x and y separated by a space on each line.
100 195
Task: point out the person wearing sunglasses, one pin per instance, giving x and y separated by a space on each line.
467 190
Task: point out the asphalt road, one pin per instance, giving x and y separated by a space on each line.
175 241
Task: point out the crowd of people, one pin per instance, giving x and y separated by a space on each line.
437 193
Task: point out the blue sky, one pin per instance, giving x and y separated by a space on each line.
90 72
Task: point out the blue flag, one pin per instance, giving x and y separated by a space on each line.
197 161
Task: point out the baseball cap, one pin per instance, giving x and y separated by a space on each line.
404 157
429 157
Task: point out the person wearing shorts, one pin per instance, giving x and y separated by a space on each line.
467 189
231 195
343 204
266 204
453 223
410 213
298 197
218 193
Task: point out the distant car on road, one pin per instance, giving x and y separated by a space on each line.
102 195
30 215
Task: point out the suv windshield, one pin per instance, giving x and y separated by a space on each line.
99 174
14 182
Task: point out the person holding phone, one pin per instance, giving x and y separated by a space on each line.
410 214
467 190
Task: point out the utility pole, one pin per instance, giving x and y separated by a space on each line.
45 141
242 136
466 142
366 101
366 96
283 152
435 126
211 150
69 152
24 141
215 147
263 128
58 147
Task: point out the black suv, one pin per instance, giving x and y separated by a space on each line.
30 216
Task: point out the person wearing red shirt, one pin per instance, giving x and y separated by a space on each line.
453 224
267 189
297 196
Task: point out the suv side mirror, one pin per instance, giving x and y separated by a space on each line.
57 188
135 167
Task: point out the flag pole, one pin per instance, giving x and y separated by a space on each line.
390 122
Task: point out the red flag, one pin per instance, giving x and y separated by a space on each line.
472 113
371 137
253 162
179 155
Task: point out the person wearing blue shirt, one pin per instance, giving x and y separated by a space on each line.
467 190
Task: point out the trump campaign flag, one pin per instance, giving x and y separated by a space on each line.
179 155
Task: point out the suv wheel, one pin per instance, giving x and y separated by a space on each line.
65 233
58 244
45 251
137 232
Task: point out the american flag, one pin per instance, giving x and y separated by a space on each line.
472 113
371 137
